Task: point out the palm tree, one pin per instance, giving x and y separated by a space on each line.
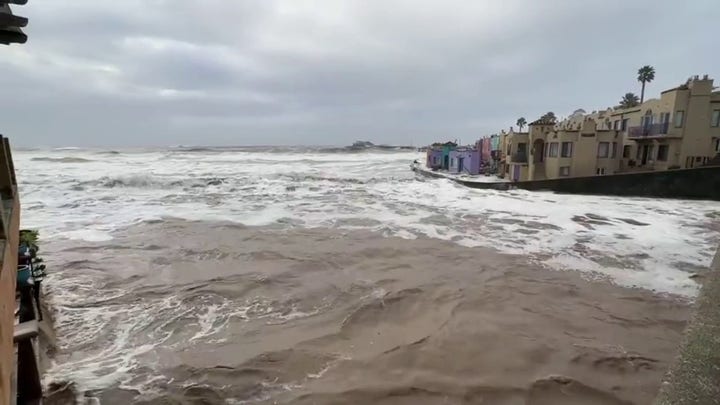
521 122
646 74
549 117
629 100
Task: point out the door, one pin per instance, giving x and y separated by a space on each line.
461 160
446 162
516 172
645 152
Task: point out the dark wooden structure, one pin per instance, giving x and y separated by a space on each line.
10 24
18 341
19 361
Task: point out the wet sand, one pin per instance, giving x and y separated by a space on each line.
232 314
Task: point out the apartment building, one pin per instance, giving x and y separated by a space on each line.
681 129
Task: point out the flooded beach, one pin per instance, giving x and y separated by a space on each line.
297 276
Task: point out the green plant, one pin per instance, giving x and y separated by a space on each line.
629 100
646 74
521 122
29 238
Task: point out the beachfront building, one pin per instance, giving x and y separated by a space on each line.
465 160
490 153
516 159
681 129
576 147
438 155
434 157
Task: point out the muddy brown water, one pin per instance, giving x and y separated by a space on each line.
181 312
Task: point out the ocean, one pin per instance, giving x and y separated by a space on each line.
309 275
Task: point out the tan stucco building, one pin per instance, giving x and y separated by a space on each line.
681 129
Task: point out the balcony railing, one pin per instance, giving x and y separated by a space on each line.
646 131
519 157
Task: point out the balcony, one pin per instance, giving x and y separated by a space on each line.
519 157
648 131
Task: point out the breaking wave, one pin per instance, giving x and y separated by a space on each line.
152 182
61 160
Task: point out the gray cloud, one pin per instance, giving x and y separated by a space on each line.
162 72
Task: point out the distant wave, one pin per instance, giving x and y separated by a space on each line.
68 148
346 180
150 182
62 160
290 149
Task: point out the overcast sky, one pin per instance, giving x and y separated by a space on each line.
233 72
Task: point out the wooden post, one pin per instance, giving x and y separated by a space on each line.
11 164
6 181
6 187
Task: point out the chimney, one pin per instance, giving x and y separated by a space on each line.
696 77
705 77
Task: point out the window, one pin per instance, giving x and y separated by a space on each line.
565 171
679 117
664 118
566 150
625 124
616 125
717 145
663 153
647 120
715 119
553 149
613 151
651 153
626 151
600 171
603 149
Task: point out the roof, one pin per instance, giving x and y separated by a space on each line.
11 24
680 87
542 121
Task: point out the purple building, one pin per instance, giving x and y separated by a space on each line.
465 160
434 158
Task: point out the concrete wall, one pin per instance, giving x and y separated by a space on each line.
694 379
699 183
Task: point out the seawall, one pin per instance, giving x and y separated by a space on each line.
698 183
694 379
702 183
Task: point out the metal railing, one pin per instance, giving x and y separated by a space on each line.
646 131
